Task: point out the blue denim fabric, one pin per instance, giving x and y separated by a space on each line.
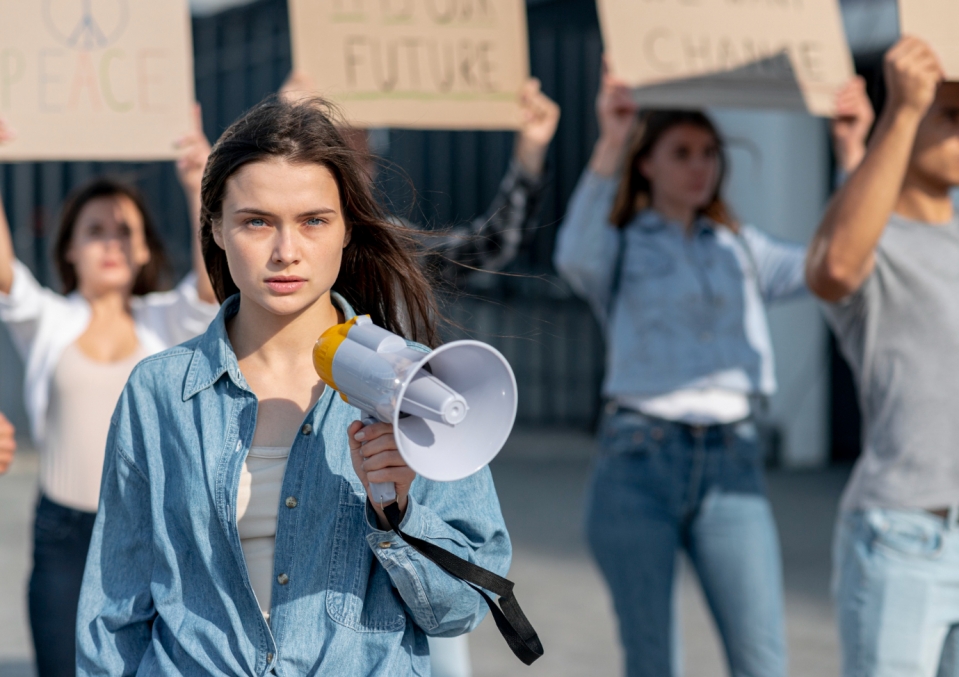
659 487
61 539
166 590
688 311
896 577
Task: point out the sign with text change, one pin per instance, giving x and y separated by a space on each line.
418 64
95 79
786 54
936 22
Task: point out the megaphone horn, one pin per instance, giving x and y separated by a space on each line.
452 409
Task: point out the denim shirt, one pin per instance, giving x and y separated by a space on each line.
688 309
166 589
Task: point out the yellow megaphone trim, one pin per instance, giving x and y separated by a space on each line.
325 349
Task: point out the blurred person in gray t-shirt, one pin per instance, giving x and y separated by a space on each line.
886 259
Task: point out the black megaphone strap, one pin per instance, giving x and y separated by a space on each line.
510 619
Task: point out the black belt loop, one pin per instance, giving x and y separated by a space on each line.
510 619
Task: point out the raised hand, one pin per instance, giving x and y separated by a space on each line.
851 126
540 116
913 73
616 113
8 444
376 459
194 150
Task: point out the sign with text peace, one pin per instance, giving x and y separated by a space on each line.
420 64
95 79
786 54
936 22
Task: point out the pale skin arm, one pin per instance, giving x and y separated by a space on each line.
8 444
850 127
195 149
376 459
841 255
6 241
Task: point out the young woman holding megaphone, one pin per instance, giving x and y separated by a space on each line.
193 572
680 288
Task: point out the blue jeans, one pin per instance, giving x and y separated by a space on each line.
896 578
61 538
658 487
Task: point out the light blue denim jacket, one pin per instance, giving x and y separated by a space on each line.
166 589
688 312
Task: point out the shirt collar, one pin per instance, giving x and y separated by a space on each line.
651 220
213 354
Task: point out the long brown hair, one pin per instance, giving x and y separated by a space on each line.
635 191
151 276
379 274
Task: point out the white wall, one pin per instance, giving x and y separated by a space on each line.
779 182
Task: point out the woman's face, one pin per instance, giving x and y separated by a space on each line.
108 247
283 232
683 168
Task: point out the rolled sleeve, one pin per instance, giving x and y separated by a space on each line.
440 604
22 309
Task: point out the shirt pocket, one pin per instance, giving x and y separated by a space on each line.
360 594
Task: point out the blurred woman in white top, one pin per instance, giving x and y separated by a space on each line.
79 347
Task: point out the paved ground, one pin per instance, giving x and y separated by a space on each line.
541 478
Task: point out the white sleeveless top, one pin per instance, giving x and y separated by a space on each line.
83 395
257 505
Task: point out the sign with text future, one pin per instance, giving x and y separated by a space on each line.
420 64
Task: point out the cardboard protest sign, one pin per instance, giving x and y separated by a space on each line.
421 64
788 54
95 79
936 22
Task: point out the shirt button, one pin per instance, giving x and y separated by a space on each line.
282 579
290 502
306 429
385 544
269 658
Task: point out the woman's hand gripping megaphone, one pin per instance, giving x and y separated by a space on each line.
377 460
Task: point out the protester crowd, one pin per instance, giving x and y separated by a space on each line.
174 533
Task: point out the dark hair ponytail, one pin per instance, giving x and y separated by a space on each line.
380 274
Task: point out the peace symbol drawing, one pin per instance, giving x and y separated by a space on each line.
86 24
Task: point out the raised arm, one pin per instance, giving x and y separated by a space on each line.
6 242
587 243
195 149
851 126
841 256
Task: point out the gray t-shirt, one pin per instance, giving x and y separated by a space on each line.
900 334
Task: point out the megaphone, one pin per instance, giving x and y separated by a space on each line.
452 409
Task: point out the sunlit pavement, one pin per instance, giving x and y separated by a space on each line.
540 478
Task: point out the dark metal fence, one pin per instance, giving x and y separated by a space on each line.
243 54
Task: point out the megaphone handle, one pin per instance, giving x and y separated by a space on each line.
381 493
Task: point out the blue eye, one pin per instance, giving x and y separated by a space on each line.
315 222
257 222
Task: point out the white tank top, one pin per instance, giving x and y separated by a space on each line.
257 503
83 395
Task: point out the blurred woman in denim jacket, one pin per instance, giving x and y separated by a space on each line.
680 288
